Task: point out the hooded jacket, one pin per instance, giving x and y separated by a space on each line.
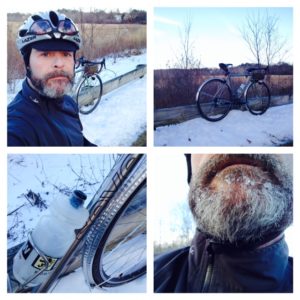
35 120
206 266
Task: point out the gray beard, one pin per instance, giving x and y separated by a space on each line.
45 90
54 94
258 211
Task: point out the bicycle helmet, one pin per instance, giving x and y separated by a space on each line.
48 31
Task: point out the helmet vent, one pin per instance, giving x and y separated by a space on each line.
54 18
36 17
22 32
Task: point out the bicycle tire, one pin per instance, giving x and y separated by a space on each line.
214 100
108 236
258 97
93 83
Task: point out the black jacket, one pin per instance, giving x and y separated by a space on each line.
34 120
209 267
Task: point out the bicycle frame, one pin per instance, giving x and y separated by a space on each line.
128 173
247 83
234 93
253 92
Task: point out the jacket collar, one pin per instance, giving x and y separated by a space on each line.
245 270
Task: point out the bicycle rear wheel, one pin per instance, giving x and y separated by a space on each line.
258 98
214 99
115 251
89 93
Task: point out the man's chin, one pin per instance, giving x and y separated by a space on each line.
239 179
57 91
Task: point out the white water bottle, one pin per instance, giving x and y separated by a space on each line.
52 236
241 89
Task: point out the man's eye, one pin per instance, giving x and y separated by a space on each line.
46 54
68 54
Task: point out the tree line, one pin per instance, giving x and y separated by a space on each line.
95 16
281 68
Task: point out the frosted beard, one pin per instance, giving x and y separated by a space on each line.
242 202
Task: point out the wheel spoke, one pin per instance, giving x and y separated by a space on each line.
120 254
89 94
214 100
258 98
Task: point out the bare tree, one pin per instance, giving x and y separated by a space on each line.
119 33
274 43
253 34
260 32
183 223
186 58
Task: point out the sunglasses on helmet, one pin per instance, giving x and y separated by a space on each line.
41 27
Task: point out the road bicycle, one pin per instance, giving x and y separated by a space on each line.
111 247
88 86
216 96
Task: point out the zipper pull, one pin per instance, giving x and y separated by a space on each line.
209 268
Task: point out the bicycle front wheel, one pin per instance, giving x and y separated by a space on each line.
89 93
258 98
115 251
214 100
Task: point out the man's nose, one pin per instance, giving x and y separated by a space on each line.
58 62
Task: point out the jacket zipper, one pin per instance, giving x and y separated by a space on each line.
209 269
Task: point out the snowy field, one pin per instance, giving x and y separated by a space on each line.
238 128
120 116
34 180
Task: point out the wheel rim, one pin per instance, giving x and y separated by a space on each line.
124 253
93 85
121 253
258 98
214 100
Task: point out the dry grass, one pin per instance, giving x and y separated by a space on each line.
141 141
15 65
104 39
176 87
98 40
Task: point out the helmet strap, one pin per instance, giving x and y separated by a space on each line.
28 72
26 57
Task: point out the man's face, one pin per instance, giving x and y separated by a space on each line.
52 72
241 197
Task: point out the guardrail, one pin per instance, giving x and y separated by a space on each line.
114 83
179 114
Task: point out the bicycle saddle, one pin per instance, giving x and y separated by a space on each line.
224 67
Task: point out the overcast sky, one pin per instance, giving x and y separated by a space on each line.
29 6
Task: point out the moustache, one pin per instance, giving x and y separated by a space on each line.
60 74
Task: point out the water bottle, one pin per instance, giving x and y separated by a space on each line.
52 237
240 90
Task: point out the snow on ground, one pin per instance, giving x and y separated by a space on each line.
238 128
75 283
121 114
50 176
119 257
